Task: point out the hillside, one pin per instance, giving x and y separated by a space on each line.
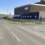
2 14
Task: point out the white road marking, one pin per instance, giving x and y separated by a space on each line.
38 34
35 27
1 37
34 32
43 37
15 36
0 34
28 30
7 27
31 31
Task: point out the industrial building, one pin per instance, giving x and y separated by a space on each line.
35 10
30 8
41 2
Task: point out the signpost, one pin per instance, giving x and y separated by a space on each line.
42 15
10 15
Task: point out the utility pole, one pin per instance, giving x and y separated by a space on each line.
7 13
21 17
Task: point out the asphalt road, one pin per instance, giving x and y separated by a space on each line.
18 34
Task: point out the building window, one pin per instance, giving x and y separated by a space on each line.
30 16
35 16
27 16
23 16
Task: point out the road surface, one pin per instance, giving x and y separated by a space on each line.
18 34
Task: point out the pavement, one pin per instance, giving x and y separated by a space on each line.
19 34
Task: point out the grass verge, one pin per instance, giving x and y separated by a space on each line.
29 23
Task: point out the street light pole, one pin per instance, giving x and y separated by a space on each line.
7 14
21 17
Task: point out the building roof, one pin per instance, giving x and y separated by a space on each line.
42 2
23 6
37 4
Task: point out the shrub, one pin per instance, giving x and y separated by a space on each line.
6 17
9 18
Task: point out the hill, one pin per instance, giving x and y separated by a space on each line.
2 14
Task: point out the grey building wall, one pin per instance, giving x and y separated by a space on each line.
42 14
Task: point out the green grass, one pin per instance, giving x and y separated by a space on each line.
30 23
2 14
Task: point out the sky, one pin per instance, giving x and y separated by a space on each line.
11 4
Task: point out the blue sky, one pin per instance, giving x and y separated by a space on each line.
11 4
